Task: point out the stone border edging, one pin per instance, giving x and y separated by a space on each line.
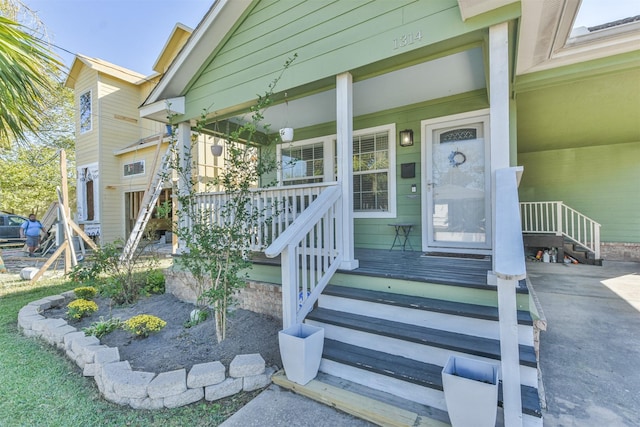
118 383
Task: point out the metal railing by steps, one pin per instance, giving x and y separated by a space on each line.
310 250
559 219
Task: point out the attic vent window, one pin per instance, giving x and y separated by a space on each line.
135 168
461 134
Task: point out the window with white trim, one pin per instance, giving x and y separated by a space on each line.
374 179
371 172
87 192
315 160
85 112
134 168
303 164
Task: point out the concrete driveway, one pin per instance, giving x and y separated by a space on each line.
590 353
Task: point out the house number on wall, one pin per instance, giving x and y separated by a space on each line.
407 39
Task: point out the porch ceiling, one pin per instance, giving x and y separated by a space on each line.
450 75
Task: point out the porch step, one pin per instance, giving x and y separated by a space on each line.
427 304
541 241
398 344
583 255
345 361
407 333
452 316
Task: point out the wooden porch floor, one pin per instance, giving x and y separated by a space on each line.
463 269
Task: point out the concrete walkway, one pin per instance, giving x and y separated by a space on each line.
279 407
590 353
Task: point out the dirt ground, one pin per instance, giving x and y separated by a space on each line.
176 346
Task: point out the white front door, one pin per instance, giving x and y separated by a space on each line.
456 185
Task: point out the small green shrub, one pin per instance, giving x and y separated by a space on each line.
85 292
154 282
144 324
123 282
79 308
103 327
87 274
197 316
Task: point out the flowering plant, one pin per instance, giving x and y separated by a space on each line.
80 308
143 324
85 292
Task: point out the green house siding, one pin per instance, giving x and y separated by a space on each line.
601 182
329 38
579 142
587 111
375 233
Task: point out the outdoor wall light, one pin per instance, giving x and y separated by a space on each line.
406 138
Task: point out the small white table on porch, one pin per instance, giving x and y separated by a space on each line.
401 238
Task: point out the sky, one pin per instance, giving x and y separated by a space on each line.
128 33
595 12
131 33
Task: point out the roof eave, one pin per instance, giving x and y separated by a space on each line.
163 110
220 19
545 40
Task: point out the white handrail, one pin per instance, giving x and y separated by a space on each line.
278 208
509 265
310 255
509 247
557 218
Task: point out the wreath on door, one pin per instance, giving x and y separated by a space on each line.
457 158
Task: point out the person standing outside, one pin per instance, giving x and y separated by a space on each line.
31 231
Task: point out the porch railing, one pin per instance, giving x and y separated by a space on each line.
278 208
509 266
310 250
561 220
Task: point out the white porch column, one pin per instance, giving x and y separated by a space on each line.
184 179
507 306
344 131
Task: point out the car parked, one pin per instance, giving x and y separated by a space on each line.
10 226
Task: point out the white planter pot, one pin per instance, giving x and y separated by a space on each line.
301 350
286 134
470 392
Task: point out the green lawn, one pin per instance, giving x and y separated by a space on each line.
39 386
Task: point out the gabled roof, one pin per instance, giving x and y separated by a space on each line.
177 39
221 18
104 67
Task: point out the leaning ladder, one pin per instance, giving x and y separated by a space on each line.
146 209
